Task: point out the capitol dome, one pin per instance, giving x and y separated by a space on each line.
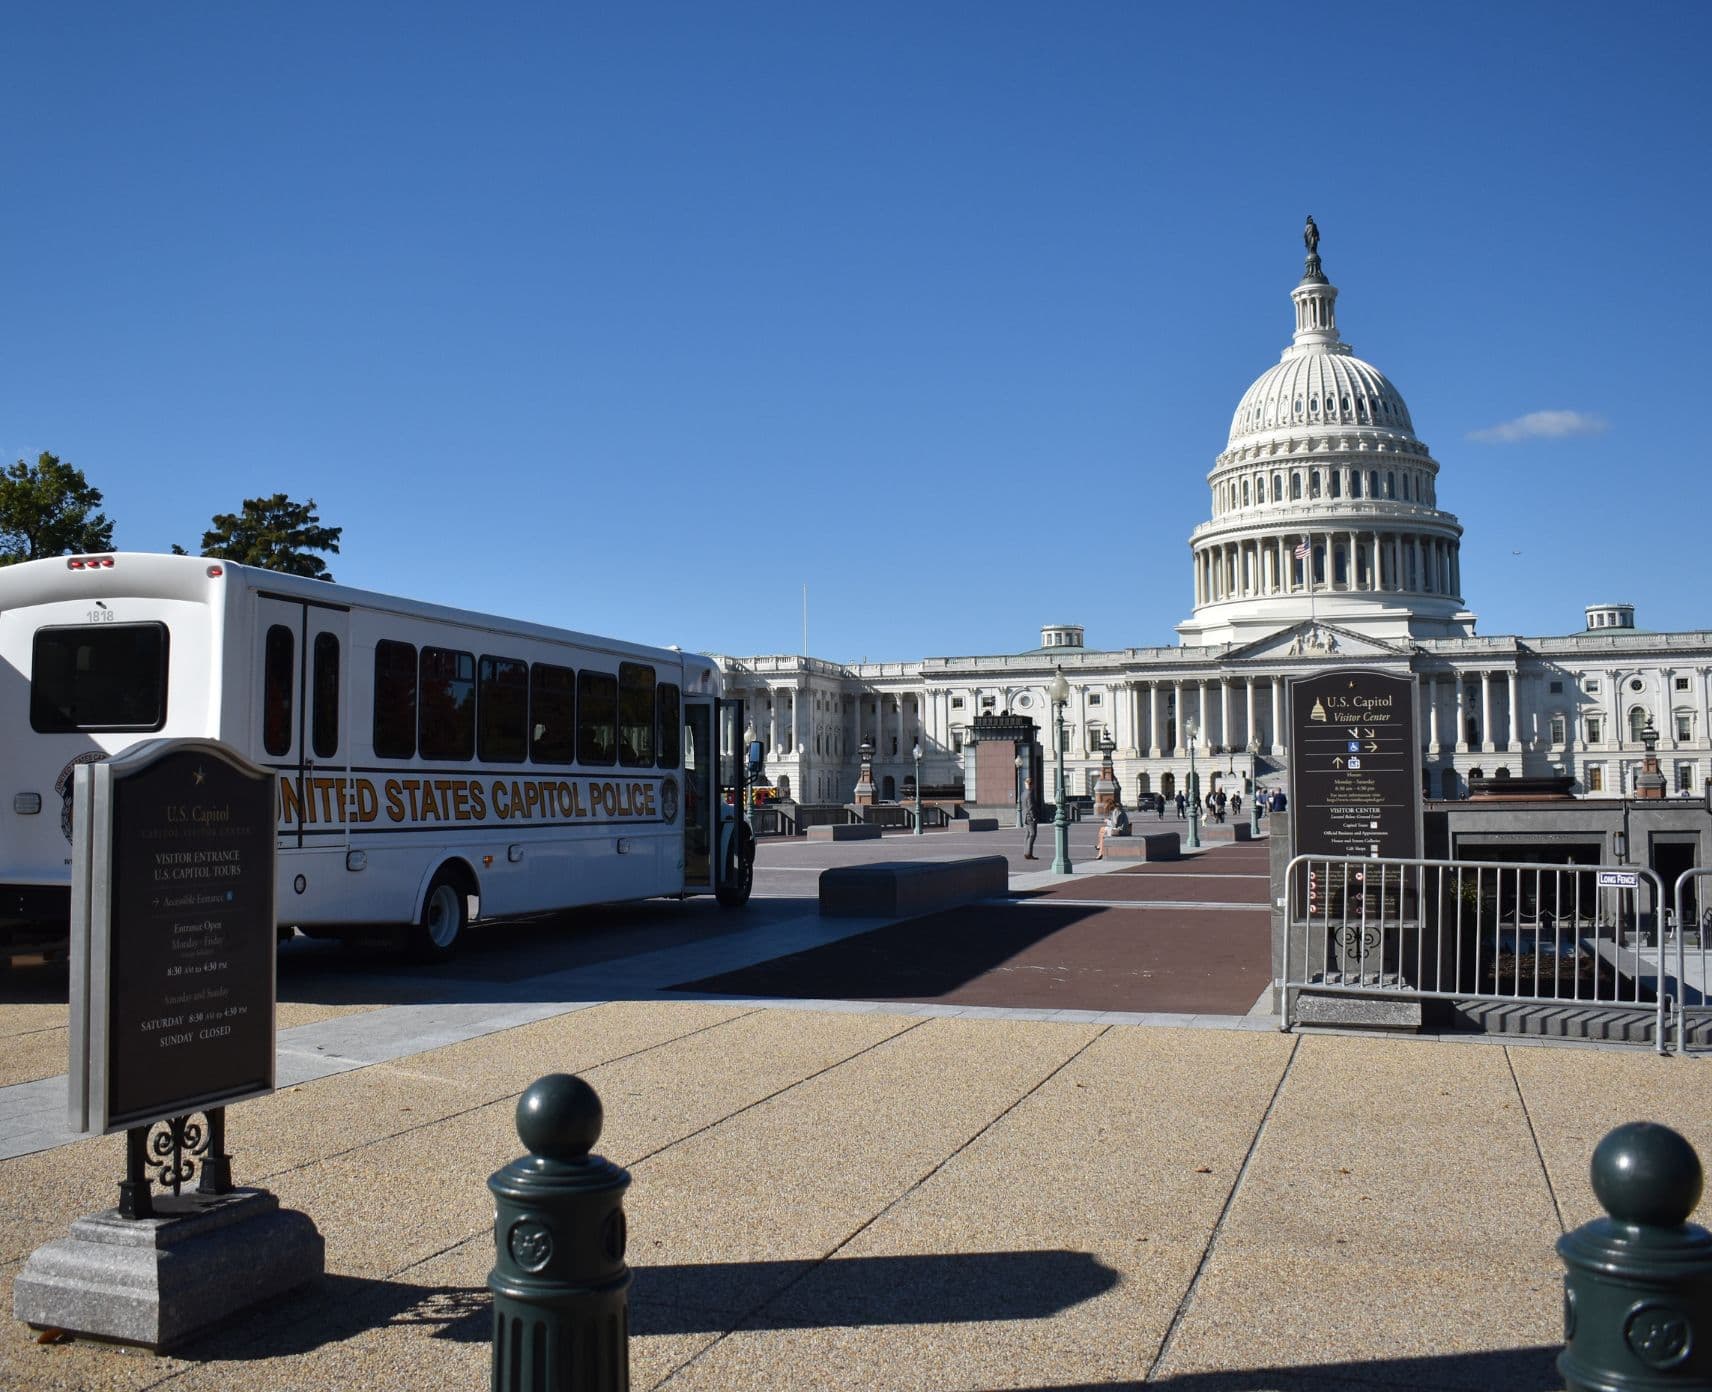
1324 502
1330 390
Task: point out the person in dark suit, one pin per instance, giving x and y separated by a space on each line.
1029 827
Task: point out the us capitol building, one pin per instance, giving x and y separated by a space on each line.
1326 545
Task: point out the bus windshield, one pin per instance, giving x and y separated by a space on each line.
107 678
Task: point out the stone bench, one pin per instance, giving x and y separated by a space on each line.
973 824
907 888
1146 845
844 831
1226 831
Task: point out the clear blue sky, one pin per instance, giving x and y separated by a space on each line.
638 317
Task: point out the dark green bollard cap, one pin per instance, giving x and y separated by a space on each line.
1647 1175
559 1117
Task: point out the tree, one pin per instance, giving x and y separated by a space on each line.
274 533
45 510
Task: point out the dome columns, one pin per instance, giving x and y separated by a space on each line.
1343 561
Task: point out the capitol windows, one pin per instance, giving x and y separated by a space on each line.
1591 686
1245 492
1355 483
1679 684
1637 721
1295 486
1685 780
1336 480
1390 484
1314 484
1260 489
1595 730
1373 483
1559 728
1596 778
1684 725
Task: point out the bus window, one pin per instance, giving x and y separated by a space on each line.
671 732
108 678
277 684
394 700
552 730
502 710
597 717
447 708
324 709
635 715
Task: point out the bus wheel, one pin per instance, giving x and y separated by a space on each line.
445 915
738 878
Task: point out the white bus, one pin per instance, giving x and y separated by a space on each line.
433 765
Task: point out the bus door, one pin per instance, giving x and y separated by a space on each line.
302 715
700 791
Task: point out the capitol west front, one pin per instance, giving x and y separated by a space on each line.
1326 545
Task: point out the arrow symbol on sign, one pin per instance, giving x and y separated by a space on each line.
1337 762
1372 746
1367 734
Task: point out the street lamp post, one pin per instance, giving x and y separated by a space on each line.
1017 762
918 785
1059 692
1194 791
1253 787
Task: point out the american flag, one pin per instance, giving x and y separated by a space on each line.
1302 552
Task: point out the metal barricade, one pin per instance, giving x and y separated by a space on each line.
1504 931
1693 964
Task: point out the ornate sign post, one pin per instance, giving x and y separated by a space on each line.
172 1018
1355 787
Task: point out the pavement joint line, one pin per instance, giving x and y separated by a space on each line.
744 1319
1534 1137
1224 1213
495 1100
777 1092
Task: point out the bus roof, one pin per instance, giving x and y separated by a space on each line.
191 578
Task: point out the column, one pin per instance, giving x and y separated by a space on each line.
1250 735
1461 712
1224 712
773 723
1420 567
796 727
1666 726
1153 720
1278 715
903 736
1432 684
1515 715
1487 743
1177 745
1201 710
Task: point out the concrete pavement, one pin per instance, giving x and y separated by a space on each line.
878 1196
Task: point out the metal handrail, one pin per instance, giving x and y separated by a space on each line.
1680 928
1373 934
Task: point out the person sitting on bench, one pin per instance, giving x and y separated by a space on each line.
1116 824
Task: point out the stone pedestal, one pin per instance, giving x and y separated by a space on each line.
156 1281
1107 794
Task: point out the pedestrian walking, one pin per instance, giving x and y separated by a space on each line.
1029 826
1236 804
1182 808
1159 803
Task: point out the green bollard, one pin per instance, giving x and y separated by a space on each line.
561 1290
1637 1298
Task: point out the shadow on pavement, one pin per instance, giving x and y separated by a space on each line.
938 1288
1513 1370
917 959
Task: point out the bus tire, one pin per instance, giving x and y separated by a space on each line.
445 914
738 877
